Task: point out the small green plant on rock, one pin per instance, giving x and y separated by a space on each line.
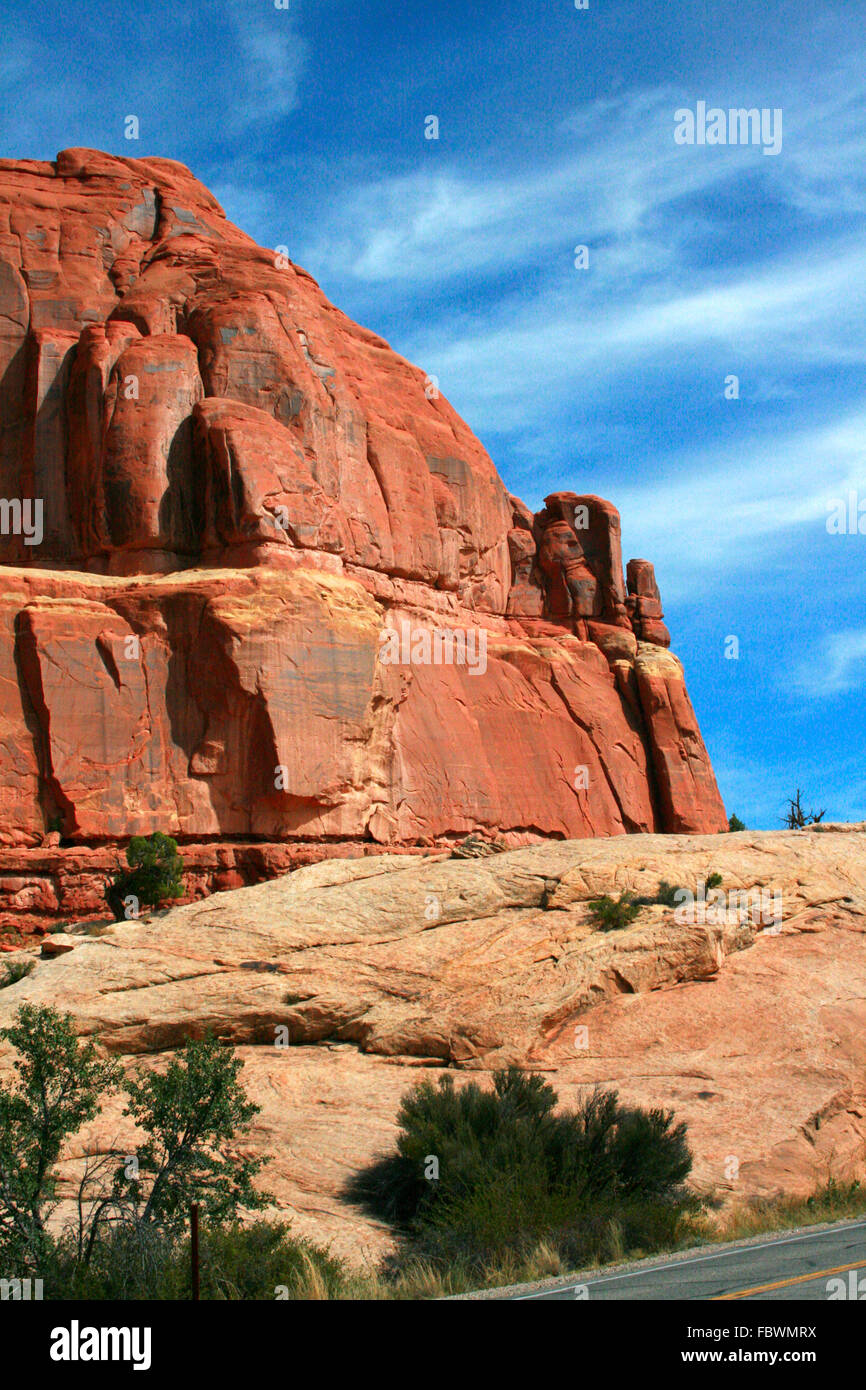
736 824
155 873
613 914
14 971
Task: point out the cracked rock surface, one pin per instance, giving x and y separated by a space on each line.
373 972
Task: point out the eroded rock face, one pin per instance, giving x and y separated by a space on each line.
241 492
748 1023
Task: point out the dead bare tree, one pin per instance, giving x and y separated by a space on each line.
797 818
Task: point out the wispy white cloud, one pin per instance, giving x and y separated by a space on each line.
255 76
518 365
617 178
715 514
646 309
574 341
271 56
837 666
618 163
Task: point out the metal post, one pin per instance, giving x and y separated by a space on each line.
193 1223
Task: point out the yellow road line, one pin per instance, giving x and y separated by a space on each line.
786 1283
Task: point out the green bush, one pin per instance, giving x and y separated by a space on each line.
246 1262
155 873
236 1263
513 1171
613 914
15 970
666 894
736 824
125 1262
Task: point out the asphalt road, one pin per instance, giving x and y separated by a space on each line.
799 1266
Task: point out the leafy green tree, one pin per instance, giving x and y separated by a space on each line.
57 1088
736 824
155 873
188 1112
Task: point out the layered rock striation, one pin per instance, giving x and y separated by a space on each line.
260 579
346 982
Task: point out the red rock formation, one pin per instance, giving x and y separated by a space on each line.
241 490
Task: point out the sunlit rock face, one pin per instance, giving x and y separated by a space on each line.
220 498
743 1012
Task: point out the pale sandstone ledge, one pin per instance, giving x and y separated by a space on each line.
389 968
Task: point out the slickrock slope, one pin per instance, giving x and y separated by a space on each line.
241 491
379 971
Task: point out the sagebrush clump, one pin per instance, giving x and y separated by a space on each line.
484 1175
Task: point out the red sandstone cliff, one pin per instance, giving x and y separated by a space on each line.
240 490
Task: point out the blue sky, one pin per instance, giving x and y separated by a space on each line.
556 129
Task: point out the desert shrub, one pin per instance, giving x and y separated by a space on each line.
15 970
714 881
736 824
155 873
613 914
513 1171
253 1261
126 1261
236 1263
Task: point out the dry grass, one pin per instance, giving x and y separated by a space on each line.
832 1202
422 1280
